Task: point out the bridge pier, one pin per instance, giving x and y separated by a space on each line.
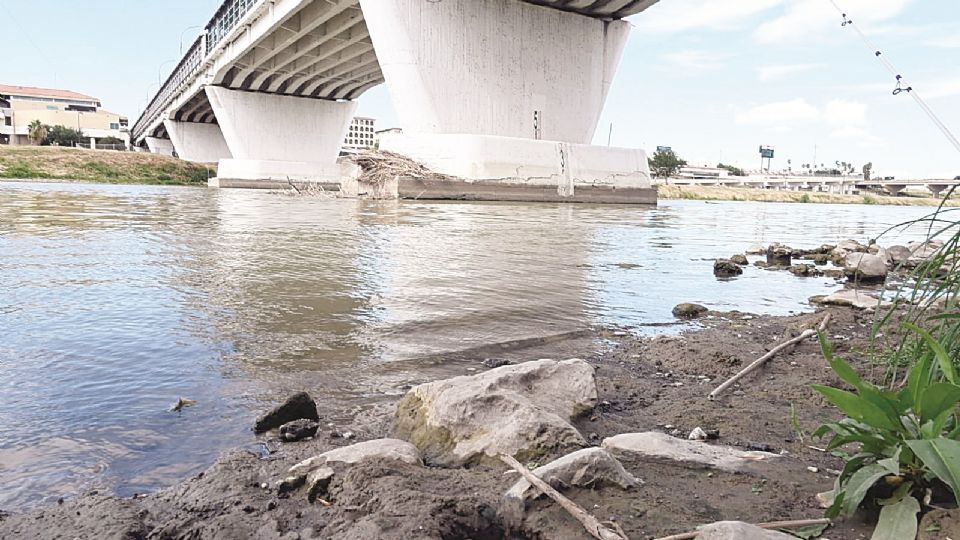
200 143
503 91
937 189
156 145
894 189
278 138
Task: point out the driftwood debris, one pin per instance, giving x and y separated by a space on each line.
763 359
590 523
771 525
379 166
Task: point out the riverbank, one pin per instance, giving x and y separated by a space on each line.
41 163
722 193
659 384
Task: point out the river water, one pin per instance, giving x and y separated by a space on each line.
117 300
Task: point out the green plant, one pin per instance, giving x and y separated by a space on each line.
908 439
665 163
805 198
22 169
870 199
37 132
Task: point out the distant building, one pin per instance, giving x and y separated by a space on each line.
21 105
360 136
702 172
379 134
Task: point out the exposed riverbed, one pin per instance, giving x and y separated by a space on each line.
117 300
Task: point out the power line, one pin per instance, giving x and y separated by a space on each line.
902 85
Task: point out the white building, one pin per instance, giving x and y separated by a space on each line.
22 105
360 136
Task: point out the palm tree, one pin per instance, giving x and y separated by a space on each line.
37 132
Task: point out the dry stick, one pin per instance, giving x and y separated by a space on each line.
590 523
771 525
773 352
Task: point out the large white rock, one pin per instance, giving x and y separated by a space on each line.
738 530
653 445
318 470
520 410
865 267
850 298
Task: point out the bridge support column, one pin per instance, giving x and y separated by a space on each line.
200 143
894 189
937 189
503 91
159 146
272 137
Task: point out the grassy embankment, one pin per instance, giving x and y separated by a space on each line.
720 193
103 166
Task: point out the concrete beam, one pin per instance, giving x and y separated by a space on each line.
274 137
200 143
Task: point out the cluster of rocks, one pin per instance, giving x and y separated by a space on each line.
524 411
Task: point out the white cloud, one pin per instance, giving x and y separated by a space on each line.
949 42
695 60
779 113
840 112
940 88
804 19
684 15
859 135
770 73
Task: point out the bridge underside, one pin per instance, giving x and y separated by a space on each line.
506 90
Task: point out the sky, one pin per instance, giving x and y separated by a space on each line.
712 79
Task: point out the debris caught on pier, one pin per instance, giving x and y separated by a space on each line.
380 166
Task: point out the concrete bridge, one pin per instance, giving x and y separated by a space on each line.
825 184
507 92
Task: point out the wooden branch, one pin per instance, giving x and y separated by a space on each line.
590 523
763 359
771 525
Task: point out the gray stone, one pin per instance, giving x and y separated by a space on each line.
688 311
587 468
851 246
726 268
522 410
756 250
318 470
658 446
821 259
779 255
802 270
865 268
921 252
296 407
850 298
899 254
738 530
298 430
739 259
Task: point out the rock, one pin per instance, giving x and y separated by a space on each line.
835 273
726 268
821 259
658 446
298 430
899 254
522 410
850 298
940 524
698 434
738 530
317 471
296 407
825 249
851 246
865 268
760 264
802 270
688 311
779 255
495 362
756 250
588 468
740 259
921 252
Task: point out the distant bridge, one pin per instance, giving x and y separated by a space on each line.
828 184
485 89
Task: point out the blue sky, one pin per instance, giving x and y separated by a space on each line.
714 79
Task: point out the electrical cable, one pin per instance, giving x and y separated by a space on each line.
902 85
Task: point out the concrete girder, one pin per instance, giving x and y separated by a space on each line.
282 62
350 88
315 15
349 44
365 64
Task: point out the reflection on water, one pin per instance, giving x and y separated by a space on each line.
116 300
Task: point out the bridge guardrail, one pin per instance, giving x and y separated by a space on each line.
224 21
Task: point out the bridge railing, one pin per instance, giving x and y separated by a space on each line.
188 66
224 21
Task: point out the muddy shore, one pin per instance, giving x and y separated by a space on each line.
658 383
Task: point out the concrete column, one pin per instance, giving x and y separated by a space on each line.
502 90
93 143
273 137
200 143
159 146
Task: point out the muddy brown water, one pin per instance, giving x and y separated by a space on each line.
117 300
